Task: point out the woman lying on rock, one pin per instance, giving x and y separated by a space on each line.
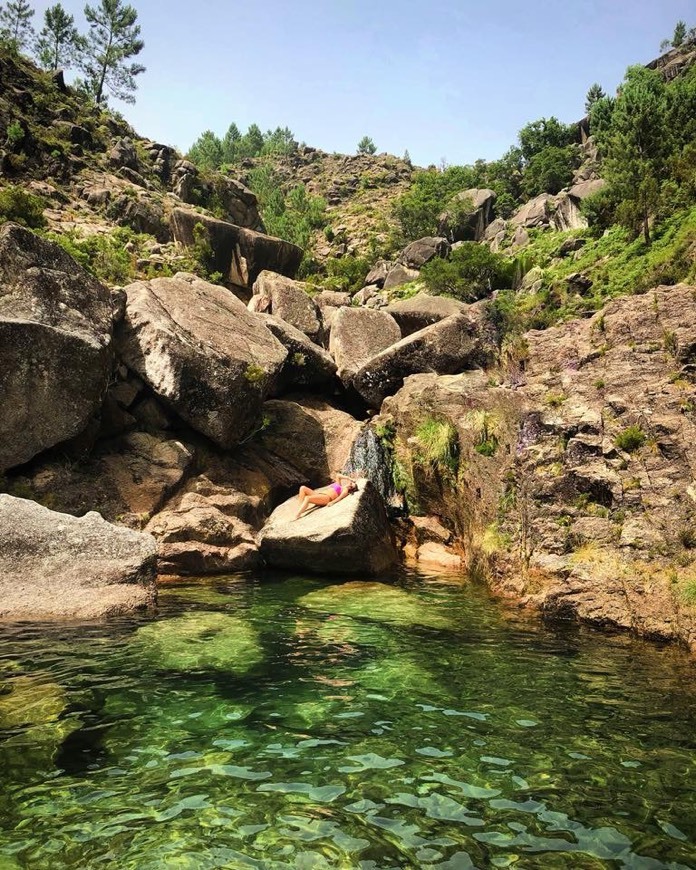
325 495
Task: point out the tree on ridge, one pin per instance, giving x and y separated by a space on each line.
114 37
366 146
15 24
58 41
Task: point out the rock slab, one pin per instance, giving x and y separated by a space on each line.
351 538
450 346
239 254
55 345
54 565
200 350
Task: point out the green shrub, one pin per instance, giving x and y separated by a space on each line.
15 134
631 439
346 274
472 272
21 207
438 445
104 256
254 374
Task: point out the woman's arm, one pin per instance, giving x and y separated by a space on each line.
342 477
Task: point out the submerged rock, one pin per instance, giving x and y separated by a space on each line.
55 565
55 345
348 538
201 642
376 602
26 700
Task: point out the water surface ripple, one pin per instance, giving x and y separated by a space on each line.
296 724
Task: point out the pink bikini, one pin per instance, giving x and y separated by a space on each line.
337 488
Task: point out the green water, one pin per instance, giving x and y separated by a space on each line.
300 724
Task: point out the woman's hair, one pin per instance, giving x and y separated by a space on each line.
352 486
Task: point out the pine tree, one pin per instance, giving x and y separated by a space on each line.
114 37
230 144
15 24
680 34
594 93
207 151
59 40
635 142
366 146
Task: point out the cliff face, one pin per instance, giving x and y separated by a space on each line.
575 489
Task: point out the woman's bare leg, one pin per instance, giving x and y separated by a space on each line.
303 491
320 499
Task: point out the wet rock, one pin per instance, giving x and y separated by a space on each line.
53 565
55 345
348 538
202 353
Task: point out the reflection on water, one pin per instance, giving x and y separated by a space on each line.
301 724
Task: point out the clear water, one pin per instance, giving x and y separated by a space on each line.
296 725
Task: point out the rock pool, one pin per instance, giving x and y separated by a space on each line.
290 723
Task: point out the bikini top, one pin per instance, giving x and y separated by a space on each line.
337 488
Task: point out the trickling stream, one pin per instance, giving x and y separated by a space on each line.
299 724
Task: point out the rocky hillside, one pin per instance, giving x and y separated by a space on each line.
359 191
162 366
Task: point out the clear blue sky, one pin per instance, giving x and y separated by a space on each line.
452 79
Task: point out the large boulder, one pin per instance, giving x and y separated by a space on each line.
307 364
582 189
240 255
198 536
202 352
55 345
535 213
448 347
287 299
306 440
350 538
357 335
468 215
53 565
423 310
422 251
399 275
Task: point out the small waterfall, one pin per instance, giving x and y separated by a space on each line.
371 458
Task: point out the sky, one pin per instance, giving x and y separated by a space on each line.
447 81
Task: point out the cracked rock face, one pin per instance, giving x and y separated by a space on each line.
55 345
200 350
